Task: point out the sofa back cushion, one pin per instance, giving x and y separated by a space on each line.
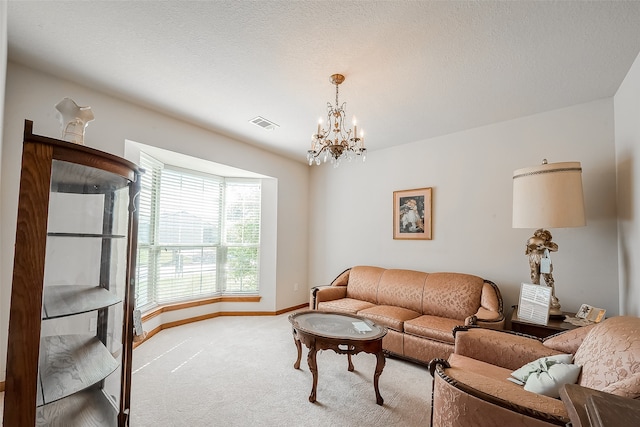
452 295
402 288
610 357
363 283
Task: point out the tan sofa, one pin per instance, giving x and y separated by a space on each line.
471 388
419 309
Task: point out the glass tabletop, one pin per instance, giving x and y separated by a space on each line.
337 325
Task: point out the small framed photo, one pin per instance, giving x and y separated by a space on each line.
412 214
590 313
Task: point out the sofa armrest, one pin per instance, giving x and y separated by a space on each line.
326 293
568 341
507 349
490 314
486 319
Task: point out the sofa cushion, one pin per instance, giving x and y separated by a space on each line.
344 305
492 380
363 283
452 295
433 327
402 288
472 365
610 357
389 316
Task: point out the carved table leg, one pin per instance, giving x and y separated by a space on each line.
379 367
350 368
313 367
299 347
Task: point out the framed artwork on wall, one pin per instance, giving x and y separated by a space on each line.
412 214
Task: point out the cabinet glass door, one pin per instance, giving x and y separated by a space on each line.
80 372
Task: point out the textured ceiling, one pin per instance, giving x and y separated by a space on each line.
413 70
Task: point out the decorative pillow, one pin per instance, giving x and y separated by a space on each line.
547 374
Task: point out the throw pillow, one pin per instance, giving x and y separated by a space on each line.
547 374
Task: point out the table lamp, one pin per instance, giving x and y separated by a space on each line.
547 196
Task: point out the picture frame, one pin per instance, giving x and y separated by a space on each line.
412 214
534 304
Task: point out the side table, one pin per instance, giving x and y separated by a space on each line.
592 408
541 331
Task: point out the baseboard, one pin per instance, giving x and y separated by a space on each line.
211 316
297 307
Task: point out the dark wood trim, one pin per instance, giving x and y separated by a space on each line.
297 307
1 386
25 313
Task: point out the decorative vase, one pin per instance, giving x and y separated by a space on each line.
73 120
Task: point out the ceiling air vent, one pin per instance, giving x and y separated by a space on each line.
264 123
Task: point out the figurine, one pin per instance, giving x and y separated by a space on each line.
536 248
73 120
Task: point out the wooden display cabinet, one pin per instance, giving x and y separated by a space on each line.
71 317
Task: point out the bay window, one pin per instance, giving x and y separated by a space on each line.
199 235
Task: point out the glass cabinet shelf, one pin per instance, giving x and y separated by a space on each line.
94 235
71 363
90 407
67 300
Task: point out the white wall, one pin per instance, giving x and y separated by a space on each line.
32 95
349 213
627 135
4 295
471 175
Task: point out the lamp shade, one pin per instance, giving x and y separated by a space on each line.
548 196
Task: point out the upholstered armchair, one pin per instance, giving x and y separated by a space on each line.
471 387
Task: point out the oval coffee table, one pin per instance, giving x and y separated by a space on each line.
343 333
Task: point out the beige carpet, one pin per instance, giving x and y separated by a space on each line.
238 371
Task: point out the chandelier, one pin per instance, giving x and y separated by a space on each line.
335 142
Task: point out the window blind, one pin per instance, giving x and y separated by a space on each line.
199 235
146 230
188 235
242 235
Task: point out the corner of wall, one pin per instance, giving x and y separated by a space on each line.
627 151
4 287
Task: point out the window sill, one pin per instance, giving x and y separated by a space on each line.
195 303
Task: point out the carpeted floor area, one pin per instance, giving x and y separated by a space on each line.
238 371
